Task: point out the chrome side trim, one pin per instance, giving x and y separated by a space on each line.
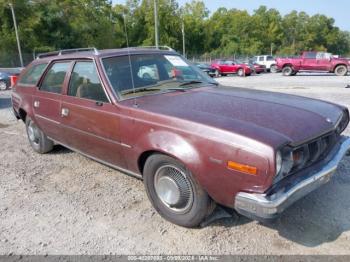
262 206
127 172
47 119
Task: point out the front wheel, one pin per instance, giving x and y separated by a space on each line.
3 85
216 73
341 70
240 72
37 139
173 191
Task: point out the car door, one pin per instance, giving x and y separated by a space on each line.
309 61
229 67
91 122
47 99
323 61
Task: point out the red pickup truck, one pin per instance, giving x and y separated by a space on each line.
313 62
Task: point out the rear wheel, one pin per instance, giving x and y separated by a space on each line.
341 70
273 69
37 139
173 191
3 85
287 71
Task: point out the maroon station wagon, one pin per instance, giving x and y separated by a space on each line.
150 113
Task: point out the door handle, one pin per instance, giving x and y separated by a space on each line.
64 112
36 104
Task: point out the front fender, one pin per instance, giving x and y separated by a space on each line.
171 144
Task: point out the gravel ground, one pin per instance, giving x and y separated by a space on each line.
64 203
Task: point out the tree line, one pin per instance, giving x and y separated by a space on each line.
46 25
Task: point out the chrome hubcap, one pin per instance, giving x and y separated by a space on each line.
341 70
287 71
33 133
2 85
173 188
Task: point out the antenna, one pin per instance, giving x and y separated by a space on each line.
129 56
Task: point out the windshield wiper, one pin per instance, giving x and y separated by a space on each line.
140 90
191 83
197 82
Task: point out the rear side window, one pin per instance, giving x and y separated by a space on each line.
261 59
85 83
270 58
31 77
54 78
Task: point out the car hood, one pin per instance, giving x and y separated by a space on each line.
269 117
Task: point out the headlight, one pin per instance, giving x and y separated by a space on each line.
279 162
284 163
343 122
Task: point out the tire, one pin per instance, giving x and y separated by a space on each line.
216 73
37 139
273 69
188 205
240 72
287 71
3 85
341 70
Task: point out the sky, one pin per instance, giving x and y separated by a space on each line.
337 9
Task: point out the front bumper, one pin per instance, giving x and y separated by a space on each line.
272 204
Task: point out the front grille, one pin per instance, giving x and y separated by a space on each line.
313 151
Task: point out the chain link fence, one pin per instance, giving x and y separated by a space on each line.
11 59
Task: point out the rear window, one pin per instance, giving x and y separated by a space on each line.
33 74
310 55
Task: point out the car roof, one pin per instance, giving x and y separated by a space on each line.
91 54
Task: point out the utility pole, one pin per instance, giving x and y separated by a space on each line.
183 38
271 49
16 31
156 36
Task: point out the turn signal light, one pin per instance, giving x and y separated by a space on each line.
250 170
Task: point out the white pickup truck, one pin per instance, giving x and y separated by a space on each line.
266 60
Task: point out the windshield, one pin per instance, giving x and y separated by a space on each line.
152 73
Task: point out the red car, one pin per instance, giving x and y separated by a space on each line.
313 62
225 67
192 142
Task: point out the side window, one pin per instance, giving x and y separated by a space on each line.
270 58
84 82
320 55
310 55
54 78
31 77
261 59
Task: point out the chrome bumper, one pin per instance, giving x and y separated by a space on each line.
269 206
